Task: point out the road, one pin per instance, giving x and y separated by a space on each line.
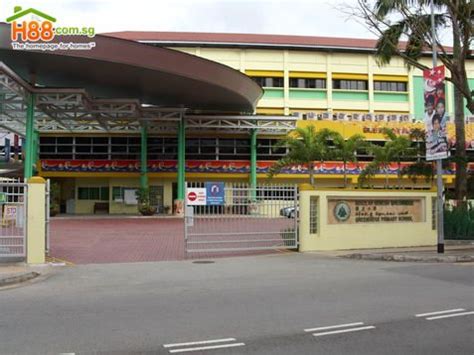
274 304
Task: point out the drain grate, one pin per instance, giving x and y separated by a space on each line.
203 262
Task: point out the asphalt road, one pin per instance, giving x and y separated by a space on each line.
275 304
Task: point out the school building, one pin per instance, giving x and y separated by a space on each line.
326 82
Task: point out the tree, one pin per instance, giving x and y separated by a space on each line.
395 20
421 167
305 146
394 150
345 150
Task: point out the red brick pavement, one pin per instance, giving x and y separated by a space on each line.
88 241
120 240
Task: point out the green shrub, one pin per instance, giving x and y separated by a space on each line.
459 223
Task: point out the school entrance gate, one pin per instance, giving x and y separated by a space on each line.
224 219
13 195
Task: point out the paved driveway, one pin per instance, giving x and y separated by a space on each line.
95 240
116 240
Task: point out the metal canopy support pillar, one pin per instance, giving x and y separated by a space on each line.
144 158
253 164
179 203
29 139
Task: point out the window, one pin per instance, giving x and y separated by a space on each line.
273 82
307 83
390 86
269 149
93 193
313 215
343 84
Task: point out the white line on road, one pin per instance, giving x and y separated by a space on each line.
199 342
440 312
333 327
344 330
207 347
451 315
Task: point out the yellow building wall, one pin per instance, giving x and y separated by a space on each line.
288 61
87 206
363 235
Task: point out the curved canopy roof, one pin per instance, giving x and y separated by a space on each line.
122 69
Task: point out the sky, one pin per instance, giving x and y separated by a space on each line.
295 17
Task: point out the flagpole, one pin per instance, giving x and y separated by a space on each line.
439 162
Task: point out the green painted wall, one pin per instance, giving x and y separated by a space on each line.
418 93
390 97
308 94
471 86
350 95
270 93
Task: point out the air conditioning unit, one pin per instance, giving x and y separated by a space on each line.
405 118
299 115
393 118
356 117
341 116
368 117
326 116
310 115
379 118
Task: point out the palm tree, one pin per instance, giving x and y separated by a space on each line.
395 149
421 167
305 146
398 148
345 150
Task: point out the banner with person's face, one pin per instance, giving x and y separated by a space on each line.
435 114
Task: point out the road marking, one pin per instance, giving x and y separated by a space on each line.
199 342
187 347
233 345
333 327
451 315
344 331
440 312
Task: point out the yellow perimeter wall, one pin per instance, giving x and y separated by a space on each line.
364 235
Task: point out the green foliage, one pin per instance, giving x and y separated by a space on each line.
459 223
54 198
305 146
394 150
144 207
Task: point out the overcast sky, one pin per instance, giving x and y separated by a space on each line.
297 17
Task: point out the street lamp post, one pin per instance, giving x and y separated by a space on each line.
439 164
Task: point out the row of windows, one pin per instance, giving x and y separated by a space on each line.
159 148
93 193
341 84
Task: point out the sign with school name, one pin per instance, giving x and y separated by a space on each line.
375 210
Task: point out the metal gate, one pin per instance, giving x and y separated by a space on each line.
13 199
242 219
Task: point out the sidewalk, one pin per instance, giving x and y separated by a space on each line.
12 274
455 252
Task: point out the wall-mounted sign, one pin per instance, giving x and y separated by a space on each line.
375 210
196 196
10 214
215 193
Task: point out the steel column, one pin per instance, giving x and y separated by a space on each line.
144 158
253 163
29 141
181 159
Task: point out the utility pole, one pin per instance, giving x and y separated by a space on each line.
439 162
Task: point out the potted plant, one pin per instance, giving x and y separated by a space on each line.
144 207
54 196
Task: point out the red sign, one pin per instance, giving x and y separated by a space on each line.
192 196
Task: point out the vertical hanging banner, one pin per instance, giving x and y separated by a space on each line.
435 114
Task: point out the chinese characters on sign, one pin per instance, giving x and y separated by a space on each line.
354 211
